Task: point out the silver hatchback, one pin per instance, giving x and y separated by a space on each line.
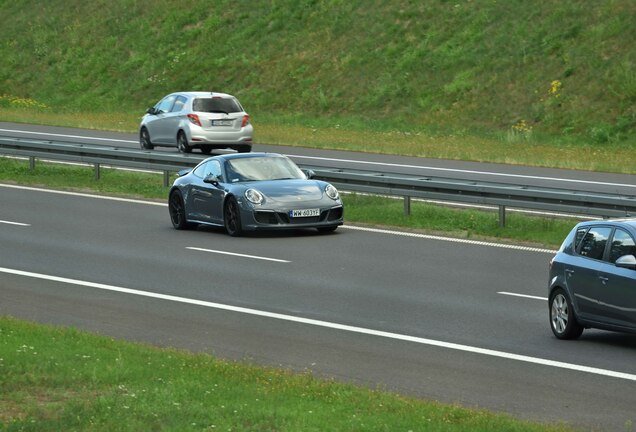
593 279
203 120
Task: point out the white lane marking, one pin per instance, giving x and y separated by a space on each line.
371 163
333 326
522 295
237 254
450 239
67 136
14 223
84 195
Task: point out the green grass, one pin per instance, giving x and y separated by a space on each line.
376 211
54 379
56 176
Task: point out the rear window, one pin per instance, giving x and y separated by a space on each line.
216 104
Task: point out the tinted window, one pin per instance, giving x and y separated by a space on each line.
593 243
622 244
216 104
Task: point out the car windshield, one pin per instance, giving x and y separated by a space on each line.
262 168
216 104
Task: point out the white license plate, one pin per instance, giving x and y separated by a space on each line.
222 122
304 213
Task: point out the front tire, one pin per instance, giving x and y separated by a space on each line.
144 140
176 207
232 217
182 143
562 319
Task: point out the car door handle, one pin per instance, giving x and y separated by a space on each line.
569 272
603 279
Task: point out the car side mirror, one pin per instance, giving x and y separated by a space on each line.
151 111
627 261
309 173
211 179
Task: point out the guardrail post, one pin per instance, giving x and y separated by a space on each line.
31 163
97 171
502 216
166 178
407 206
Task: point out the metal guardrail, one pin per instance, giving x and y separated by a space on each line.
97 155
401 185
483 193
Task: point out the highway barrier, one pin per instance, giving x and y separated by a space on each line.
501 195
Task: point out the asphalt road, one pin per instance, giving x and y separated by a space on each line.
422 316
375 308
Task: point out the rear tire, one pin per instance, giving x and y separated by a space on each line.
177 210
182 143
232 217
562 319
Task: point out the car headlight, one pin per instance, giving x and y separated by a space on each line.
254 196
332 192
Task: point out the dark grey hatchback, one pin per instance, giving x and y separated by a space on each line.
593 279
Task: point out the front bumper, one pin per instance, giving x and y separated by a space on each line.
261 219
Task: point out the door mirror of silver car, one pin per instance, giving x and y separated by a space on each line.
627 261
151 111
211 179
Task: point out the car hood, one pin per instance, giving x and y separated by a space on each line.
290 190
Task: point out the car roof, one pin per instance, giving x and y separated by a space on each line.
625 222
202 94
230 156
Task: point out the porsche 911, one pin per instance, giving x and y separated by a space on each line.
253 191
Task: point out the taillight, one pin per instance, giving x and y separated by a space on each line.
194 119
246 120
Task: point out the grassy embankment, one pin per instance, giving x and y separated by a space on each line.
546 83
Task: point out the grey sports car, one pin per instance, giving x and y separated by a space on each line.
253 191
